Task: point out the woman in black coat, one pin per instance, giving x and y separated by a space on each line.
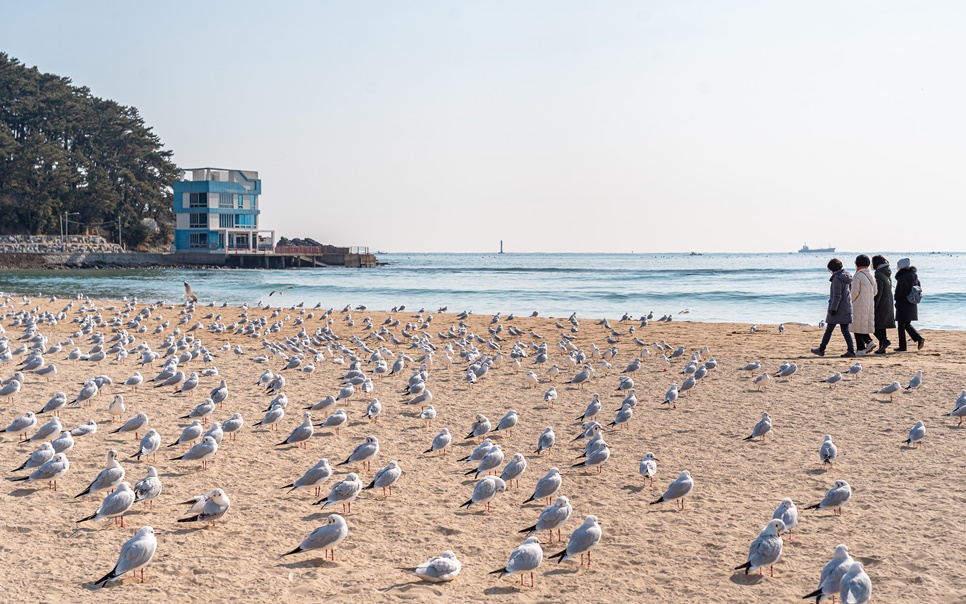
885 311
906 311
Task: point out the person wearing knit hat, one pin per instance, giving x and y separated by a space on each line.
839 308
863 304
885 312
907 311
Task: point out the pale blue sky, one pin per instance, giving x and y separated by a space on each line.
555 126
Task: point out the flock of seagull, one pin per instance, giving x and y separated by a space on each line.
113 334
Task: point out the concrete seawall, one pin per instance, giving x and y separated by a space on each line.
179 259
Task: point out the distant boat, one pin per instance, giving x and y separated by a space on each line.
818 250
696 254
378 252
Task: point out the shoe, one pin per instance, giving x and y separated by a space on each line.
818 351
880 350
922 342
848 355
900 349
869 347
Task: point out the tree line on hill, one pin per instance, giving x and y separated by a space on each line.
66 151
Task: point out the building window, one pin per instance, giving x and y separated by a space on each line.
225 221
197 221
198 240
226 200
244 221
198 200
254 202
241 201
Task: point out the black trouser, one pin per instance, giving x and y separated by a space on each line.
862 341
905 328
829 328
880 334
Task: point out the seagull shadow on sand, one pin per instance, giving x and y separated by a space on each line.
311 563
406 587
743 579
635 489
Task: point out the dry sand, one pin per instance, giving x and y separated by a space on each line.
902 522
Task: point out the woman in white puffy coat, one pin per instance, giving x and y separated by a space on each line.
863 304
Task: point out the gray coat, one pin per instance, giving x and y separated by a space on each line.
840 299
885 312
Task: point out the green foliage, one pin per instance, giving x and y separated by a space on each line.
65 150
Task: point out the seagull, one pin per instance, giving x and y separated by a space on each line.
148 488
787 513
855 369
648 467
916 434
313 477
485 490
584 538
343 492
232 425
188 294
88 427
216 506
490 460
386 477
441 442
337 420
150 444
552 517
547 486
752 366
765 549
108 478
202 452
762 381
856 586
832 573
788 371
916 381
438 569
678 489
478 452
828 451
48 431
49 471
280 290
114 505
546 440
592 409
136 553
301 434
835 498
135 424
762 428
514 469
22 424
595 458
832 379
327 536
479 427
889 389
38 458
508 421
364 452
191 433
525 557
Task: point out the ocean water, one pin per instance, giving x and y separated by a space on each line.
746 288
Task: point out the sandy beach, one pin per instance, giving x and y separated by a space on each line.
901 523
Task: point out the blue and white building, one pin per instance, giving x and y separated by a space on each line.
216 210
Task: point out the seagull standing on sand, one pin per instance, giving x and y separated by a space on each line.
835 498
136 553
832 573
648 467
313 477
828 451
856 586
766 549
787 513
484 491
762 428
552 517
679 489
889 389
441 442
344 492
108 478
216 506
584 538
202 452
386 477
916 434
547 486
526 557
326 537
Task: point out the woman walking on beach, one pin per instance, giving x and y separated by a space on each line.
839 308
907 311
885 312
863 304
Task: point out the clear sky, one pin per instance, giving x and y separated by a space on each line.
552 125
